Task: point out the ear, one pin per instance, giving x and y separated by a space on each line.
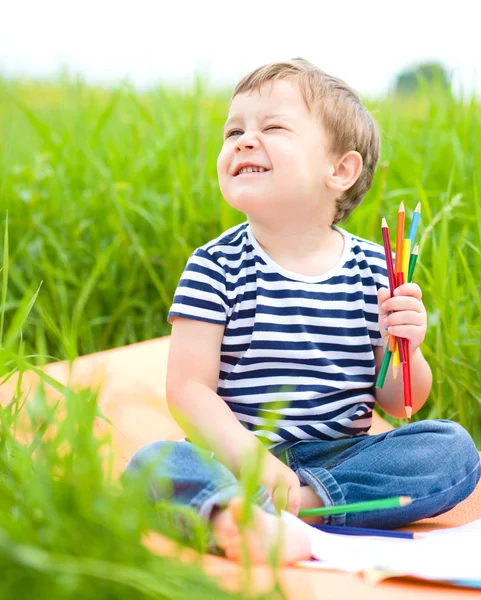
345 171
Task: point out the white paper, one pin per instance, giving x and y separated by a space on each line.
443 555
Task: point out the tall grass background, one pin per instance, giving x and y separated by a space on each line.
108 191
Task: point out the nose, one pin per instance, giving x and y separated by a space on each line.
247 140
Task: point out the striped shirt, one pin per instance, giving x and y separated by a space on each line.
297 360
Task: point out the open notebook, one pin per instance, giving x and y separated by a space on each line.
444 555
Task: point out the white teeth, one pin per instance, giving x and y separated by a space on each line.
252 170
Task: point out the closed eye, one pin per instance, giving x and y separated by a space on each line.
235 130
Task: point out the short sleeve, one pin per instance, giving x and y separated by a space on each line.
201 293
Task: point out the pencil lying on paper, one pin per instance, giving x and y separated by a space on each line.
339 509
342 530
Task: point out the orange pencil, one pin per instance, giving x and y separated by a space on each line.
399 238
399 265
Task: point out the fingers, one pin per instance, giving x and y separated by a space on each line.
383 294
280 497
288 497
403 303
405 317
294 501
409 289
413 333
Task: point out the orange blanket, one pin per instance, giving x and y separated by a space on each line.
133 397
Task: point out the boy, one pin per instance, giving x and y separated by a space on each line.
278 328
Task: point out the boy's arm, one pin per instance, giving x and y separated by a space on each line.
391 396
192 378
405 316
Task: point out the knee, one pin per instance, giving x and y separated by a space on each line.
146 455
456 445
166 453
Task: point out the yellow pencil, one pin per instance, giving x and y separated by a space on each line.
396 360
405 258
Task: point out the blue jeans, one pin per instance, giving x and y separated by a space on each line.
435 462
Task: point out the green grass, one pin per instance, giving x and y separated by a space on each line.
69 527
108 192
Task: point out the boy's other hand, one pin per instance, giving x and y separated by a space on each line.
282 484
408 319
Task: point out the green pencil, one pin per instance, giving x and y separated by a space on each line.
412 263
356 507
384 367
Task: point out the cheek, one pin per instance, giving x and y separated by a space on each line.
223 160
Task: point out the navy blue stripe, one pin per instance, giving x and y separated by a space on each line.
324 347
334 391
198 303
188 315
309 404
311 329
313 373
272 416
289 311
298 346
201 286
320 362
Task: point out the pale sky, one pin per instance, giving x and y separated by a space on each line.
364 42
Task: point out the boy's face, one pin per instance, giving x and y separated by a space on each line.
272 128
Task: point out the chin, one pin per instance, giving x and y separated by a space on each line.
245 202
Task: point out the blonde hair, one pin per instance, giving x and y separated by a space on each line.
348 123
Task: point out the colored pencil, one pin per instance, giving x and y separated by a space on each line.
388 252
407 374
412 263
339 529
396 360
408 401
406 257
384 367
414 223
399 265
401 342
404 349
399 237
340 509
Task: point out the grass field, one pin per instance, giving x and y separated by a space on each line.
108 193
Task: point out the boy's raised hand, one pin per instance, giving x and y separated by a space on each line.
408 319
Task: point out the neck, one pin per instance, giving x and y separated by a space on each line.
293 240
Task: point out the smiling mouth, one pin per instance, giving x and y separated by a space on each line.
252 173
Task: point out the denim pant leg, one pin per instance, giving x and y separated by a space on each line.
435 462
186 474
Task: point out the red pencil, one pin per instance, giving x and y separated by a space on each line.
408 401
390 269
399 238
388 253
406 364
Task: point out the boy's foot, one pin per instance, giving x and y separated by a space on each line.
264 533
